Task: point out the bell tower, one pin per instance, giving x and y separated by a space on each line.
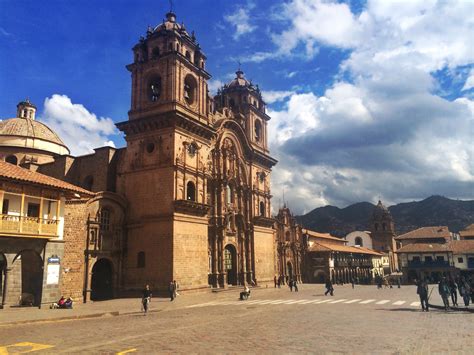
382 228
164 169
168 72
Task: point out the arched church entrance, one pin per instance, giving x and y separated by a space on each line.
101 283
31 277
230 264
289 270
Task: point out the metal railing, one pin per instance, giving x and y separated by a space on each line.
28 225
433 263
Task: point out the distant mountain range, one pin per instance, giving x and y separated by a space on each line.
433 211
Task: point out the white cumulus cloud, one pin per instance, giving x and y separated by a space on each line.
80 129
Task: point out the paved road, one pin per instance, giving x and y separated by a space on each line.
363 320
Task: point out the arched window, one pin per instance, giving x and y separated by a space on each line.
88 182
12 159
287 236
154 88
258 131
262 208
104 219
141 259
376 226
384 226
358 241
190 191
188 55
155 53
170 46
190 89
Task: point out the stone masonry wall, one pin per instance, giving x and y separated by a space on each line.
75 236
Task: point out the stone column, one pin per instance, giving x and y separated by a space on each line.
5 287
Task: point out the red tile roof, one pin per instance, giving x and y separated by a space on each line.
468 232
424 248
454 246
13 172
427 233
322 235
343 249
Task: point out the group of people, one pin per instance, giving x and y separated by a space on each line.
64 303
146 294
449 288
280 280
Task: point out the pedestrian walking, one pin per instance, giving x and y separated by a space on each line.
146 298
329 288
171 291
295 285
352 282
275 281
398 283
279 281
444 292
453 291
465 291
290 285
422 291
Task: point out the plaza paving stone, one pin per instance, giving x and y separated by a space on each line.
271 321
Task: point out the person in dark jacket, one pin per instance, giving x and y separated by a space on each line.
171 289
329 288
295 286
443 289
453 291
422 291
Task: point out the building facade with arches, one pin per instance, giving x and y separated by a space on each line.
32 235
188 198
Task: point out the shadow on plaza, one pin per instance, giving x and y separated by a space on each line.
433 309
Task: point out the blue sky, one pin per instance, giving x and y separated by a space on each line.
368 99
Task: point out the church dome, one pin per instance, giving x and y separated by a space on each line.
170 24
239 80
24 131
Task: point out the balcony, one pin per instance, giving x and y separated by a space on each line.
428 264
30 226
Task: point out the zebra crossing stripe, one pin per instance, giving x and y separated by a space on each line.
353 301
323 301
278 302
337 301
294 302
203 304
311 301
269 301
256 302
398 303
415 304
366 301
383 302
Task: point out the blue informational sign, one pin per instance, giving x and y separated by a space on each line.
54 259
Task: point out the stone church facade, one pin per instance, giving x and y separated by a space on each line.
188 198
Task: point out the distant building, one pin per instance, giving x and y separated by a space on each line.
434 252
359 238
289 244
468 233
327 257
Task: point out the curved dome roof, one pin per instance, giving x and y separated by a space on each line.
23 127
171 25
28 133
239 80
